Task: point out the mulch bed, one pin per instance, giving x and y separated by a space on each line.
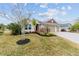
23 41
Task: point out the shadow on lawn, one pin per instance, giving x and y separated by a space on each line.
50 35
46 35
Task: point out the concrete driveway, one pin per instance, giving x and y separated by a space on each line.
68 35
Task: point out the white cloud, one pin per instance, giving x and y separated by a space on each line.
15 4
44 5
56 3
44 14
33 11
53 13
25 4
36 3
69 7
50 13
63 13
57 7
63 8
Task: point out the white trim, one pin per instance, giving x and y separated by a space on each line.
55 29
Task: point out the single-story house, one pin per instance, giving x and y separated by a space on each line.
52 25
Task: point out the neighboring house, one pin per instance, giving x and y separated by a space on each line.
65 27
52 25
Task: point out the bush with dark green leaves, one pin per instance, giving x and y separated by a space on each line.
15 28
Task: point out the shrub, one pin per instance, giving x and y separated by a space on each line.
75 27
47 35
34 22
50 34
1 33
15 28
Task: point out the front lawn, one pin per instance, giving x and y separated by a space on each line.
39 45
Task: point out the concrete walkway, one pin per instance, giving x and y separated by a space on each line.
68 35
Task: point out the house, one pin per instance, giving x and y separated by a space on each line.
51 25
29 27
65 27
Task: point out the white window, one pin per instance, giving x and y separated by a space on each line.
28 27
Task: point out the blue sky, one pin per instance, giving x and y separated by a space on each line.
61 12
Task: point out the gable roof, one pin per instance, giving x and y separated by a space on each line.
51 21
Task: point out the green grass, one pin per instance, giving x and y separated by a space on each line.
39 45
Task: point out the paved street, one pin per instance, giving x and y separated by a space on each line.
68 35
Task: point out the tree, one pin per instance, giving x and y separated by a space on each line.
14 27
34 22
75 27
18 15
2 27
